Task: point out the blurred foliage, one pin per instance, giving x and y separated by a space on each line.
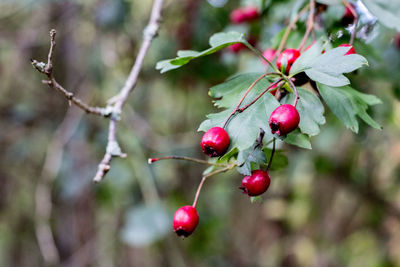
334 205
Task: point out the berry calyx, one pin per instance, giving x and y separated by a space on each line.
215 142
269 54
256 184
185 221
284 119
351 51
289 55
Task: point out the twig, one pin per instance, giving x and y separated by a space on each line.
227 168
151 160
310 25
288 29
294 89
47 69
355 22
260 95
245 94
272 155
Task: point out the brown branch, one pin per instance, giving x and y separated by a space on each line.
151 160
120 99
310 25
288 29
47 69
355 15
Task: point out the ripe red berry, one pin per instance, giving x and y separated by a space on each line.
351 51
274 87
284 119
251 13
215 142
236 48
185 221
397 40
256 184
290 55
237 16
244 14
269 54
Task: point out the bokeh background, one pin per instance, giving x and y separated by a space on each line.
336 205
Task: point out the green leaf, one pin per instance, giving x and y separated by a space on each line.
341 104
217 42
306 59
298 139
347 103
247 157
387 12
310 109
230 92
329 67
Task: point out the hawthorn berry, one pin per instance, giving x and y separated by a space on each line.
269 54
290 55
236 48
284 119
274 87
185 221
215 142
244 14
348 16
256 184
351 51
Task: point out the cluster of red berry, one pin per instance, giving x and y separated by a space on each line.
215 142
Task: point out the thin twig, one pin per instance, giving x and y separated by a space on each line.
260 95
151 160
47 69
245 94
227 168
294 89
272 155
288 29
355 22
120 99
310 25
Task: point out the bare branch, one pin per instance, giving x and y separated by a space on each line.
120 99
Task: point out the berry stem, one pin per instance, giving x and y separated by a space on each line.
310 25
288 29
272 155
294 89
151 160
246 93
240 110
258 53
204 178
355 15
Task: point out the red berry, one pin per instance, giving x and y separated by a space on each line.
215 142
348 15
397 40
275 88
256 184
185 221
237 16
351 51
236 48
269 54
291 55
251 13
244 14
284 119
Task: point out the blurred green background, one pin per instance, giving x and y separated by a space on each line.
335 205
